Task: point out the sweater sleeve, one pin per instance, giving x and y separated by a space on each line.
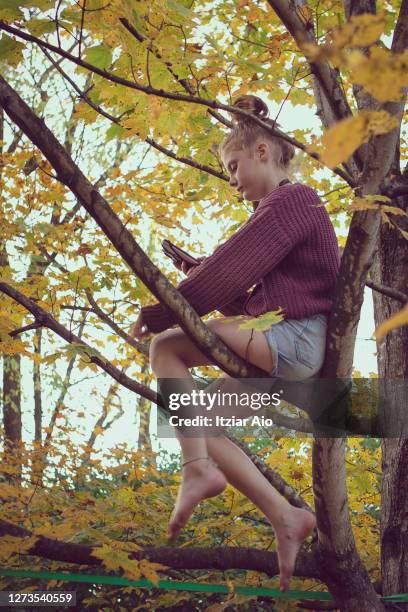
240 262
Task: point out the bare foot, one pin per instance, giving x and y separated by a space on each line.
201 479
292 529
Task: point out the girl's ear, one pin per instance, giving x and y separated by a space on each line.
262 150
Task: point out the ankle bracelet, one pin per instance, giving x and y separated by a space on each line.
198 459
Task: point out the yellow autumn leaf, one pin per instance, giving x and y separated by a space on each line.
136 125
373 202
149 569
359 31
263 322
340 141
11 51
114 559
398 320
381 72
394 210
362 204
14 545
155 106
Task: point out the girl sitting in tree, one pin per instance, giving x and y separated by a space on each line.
287 249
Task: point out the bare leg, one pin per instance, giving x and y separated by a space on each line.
201 478
172 353
291 525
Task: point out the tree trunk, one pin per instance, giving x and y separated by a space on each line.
37 389
143 409
12 415
37 464
390 267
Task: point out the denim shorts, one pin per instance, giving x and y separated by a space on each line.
298 346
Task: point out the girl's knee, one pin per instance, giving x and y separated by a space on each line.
160 347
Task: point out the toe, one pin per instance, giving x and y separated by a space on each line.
285 576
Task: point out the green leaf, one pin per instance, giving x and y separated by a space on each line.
76 349
37 27
10 4
11 51
179 9
115 131
49 359
138 21
99 56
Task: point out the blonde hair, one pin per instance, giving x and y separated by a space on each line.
245 132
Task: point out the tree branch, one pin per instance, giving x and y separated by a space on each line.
171 95
60 401
301 28
70 175
142 347
177 558
388 291
97 108
47 320
183 82
330 97
279 483
394 191
186 160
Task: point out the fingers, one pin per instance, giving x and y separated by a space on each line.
138 331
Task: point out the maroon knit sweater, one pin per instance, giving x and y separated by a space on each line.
287 249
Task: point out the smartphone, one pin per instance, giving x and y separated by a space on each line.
178 255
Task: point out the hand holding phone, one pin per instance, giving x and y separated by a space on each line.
181 259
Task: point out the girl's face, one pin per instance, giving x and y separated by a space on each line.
253 172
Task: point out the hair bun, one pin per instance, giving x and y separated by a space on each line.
251 104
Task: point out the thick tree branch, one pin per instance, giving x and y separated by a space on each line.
177 558
47 320
330 97
70 175
171 95
292 16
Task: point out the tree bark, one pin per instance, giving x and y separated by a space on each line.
178 558
11 401
37 389
391 265
11 398
12 411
